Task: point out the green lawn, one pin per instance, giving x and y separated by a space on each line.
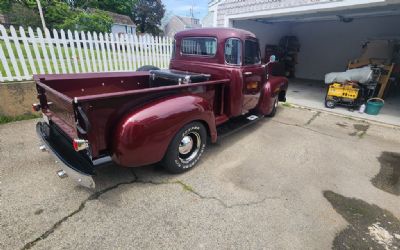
80 61
7 119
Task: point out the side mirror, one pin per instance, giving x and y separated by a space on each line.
272 59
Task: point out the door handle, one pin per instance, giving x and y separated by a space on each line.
247 73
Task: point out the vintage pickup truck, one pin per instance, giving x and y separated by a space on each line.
150 116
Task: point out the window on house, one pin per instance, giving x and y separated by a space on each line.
252 53
233 51
199 46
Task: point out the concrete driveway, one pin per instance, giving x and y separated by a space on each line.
302 180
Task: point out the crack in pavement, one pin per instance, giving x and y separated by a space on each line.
93 196
204 197
136 179
313 118
307 128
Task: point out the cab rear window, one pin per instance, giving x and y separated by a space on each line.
199 46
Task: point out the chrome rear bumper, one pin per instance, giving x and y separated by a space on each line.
74 164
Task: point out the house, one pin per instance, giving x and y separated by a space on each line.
178 23
210 20
2 19
321 36
121 24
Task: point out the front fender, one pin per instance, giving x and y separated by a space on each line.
270 92
142 136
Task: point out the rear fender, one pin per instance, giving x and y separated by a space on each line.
142 136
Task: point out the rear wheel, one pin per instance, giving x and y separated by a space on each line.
186 148
147 68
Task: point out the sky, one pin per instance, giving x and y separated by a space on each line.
182 7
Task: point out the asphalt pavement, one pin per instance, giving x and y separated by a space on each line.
302 180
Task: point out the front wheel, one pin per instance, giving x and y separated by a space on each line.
273 112
330 104
186 148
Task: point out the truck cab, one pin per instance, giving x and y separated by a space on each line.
164 116
233 54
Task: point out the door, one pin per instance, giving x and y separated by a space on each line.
253 74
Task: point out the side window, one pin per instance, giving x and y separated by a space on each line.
199 46
251 52
233 51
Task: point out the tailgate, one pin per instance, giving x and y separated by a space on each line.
58 108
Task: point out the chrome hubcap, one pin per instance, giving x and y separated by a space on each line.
276 103
189 147
186 145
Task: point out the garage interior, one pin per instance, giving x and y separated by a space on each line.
328 42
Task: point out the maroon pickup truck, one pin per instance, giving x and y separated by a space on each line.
132 119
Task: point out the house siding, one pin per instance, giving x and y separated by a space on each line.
122 29
232 7
176 24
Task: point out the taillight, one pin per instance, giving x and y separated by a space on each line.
36 107
80 144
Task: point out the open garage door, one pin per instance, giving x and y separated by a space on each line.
327 42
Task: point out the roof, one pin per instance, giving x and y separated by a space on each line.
117 18
220 33
120 19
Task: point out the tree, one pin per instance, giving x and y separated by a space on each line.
97 21
123 7
25 12
66 14
5 5
147 15
56 13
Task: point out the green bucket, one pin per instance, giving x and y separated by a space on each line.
374 105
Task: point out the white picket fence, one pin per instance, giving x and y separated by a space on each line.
23 54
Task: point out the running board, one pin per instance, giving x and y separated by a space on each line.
236 124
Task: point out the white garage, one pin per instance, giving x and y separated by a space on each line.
330 39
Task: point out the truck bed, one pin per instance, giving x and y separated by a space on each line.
89 105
